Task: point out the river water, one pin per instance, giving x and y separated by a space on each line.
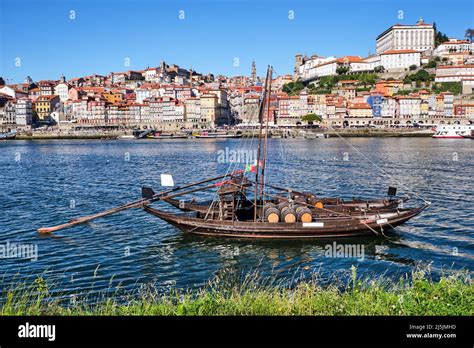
44 183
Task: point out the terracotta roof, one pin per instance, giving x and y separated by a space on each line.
360 106
457 42
456 66
400 51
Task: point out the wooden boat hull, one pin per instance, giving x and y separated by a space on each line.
324 228
372 204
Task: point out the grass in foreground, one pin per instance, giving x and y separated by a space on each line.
451 295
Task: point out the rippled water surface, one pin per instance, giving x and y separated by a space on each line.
44 183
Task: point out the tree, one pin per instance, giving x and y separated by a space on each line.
293 88
431 64
469 34
379 69
310 118
453 87
439 36
342 70
413 67
2 81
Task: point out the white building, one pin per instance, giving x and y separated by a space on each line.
146 91
454 45
419 37
13 92
388 108
8 115
399 60
79 111
305 67
454 73
24 112
151 74
62 90
409 107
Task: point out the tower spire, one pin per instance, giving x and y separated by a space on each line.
254 72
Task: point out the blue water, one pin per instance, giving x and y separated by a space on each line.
44 183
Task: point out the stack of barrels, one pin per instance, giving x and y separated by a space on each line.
288 212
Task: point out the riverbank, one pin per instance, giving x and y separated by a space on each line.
346 133
65 136
451 295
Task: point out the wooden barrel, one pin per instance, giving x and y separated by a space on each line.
288 214
299 199
303 214
271 213
315 202
282 204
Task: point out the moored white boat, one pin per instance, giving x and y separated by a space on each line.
455 131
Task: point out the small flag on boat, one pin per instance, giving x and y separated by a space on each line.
167 180
250 168
253 167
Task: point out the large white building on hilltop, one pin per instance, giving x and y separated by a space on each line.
400 60
419 37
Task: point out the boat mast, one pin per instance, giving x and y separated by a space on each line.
260 119
265 143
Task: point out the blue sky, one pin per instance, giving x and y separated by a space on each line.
212 34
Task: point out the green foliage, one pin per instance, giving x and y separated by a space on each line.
413 67
439 36
327 83
257 295
311 118
431 64
453 87
403 92
420 76
293 88
469 34
342 70
379 69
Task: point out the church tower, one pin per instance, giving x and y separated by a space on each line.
254 72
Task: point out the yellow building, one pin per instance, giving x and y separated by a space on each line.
209 105
113 97
359 110
45 105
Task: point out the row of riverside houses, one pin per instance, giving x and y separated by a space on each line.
345 107
166 97
222 101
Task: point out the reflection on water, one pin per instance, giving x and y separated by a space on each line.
133 248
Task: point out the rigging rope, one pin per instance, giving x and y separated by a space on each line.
378 167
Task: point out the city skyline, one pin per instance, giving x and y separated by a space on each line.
81 38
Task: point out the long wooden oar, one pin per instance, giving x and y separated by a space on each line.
134 204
